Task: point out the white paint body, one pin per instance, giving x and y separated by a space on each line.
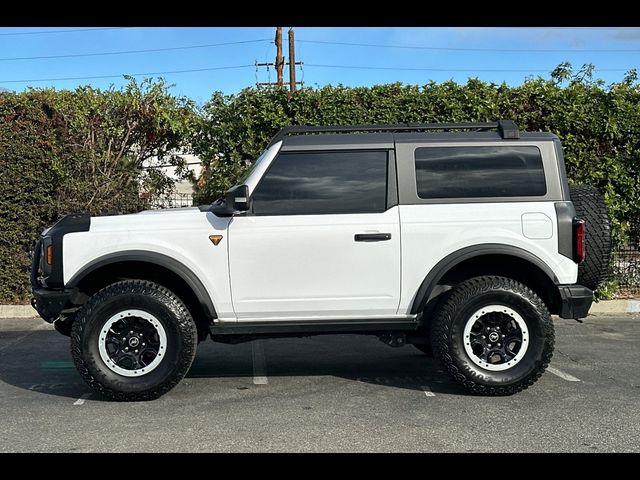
431 232
181 233
308 267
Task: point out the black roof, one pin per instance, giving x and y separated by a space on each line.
339 140
328 141
384 136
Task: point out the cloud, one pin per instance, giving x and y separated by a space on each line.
535 37
522 37
627 35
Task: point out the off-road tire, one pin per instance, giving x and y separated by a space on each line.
447 328
169 310
590 207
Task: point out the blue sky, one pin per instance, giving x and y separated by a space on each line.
321 59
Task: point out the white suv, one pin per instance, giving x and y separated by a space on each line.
461 243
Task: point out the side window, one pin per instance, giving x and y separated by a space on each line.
308 183
477 171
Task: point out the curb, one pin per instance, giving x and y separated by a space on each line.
17 311
616 306
605 306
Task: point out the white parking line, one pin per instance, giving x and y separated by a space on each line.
562 375
81 400
427 391
259 364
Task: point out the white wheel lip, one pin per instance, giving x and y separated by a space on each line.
103 349
523 328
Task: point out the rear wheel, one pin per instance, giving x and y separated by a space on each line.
133 340
493 335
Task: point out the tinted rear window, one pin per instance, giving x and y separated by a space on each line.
476 172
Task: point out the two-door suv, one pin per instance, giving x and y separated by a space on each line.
461 239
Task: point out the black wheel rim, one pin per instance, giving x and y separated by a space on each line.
496 337
132 343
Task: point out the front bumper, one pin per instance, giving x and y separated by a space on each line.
49 303
576 301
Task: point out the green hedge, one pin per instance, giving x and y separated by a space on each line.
82 150
78 151
599 125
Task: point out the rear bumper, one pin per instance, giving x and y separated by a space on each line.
576 301
49 303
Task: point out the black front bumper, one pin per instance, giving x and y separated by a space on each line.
576 301
49 303
47 284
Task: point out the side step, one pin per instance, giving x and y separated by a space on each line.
316 327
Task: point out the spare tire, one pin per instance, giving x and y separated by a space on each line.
590 207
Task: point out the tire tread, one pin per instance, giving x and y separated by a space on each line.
444 317
590 207
185 324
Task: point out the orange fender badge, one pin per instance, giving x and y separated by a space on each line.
215 239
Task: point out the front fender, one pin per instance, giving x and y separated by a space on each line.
180 269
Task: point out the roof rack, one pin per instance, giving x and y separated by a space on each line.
506 128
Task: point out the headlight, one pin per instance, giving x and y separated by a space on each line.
46 260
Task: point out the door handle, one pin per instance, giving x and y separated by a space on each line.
372 237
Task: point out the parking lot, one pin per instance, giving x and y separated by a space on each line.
327 393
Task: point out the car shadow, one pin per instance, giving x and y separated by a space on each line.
41 362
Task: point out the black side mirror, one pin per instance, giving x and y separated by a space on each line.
237 198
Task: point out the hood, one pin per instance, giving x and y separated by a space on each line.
167 219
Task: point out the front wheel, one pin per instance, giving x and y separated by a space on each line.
133 340
494 335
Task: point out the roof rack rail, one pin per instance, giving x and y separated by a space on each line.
506 128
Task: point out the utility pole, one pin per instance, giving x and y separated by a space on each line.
292 60
279 56
280 61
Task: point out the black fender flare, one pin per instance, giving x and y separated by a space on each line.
184 272
459 256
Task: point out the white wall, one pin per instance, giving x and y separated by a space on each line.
183 186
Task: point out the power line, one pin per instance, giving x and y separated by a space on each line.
483 70
463 49
129 74
123 52
359 67
43 32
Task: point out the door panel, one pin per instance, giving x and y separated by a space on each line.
311 266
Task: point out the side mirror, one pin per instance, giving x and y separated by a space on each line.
237 198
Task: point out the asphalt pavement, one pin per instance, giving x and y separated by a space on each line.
338 393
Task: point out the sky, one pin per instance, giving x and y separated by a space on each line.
493 54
